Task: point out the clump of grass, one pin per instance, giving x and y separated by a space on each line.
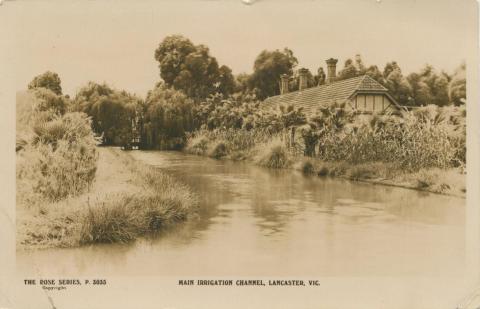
307 167
239 155
114 220
126 217
363 171
323 171
218 150
425 179
274 155
338 169
197 145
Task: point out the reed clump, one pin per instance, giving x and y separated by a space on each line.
127 216
218 150
273 155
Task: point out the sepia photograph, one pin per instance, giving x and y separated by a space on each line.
242 154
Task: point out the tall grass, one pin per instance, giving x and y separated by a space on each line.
154 203
425 139
56 154
125 217
235 140
273 155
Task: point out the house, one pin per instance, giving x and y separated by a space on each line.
362 94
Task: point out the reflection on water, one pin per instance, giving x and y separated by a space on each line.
254 221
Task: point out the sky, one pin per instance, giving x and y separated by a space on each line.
114 41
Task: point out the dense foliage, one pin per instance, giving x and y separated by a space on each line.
203 102
56 157
166 116
48 80
430 136
267 69
416 89
191 69
113 112
426 137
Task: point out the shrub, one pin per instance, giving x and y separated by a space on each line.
47 100
323 171
60 160
218 150
358 172
56 173
274 155
197 144
307 167
426 179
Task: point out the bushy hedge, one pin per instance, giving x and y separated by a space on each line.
58 159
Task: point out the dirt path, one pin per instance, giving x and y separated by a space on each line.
112 177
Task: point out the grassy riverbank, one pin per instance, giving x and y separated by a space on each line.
271 152
127 200
443 181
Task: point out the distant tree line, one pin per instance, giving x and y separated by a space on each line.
416 89
195 88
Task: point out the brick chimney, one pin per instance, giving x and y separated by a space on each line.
284 79
332 70
302 79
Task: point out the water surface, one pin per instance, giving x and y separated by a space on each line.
258 222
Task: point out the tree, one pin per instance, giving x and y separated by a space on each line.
167 115
396 83
349 70
49 101
191 69
320 77
49 80
114 113
226 82
267 69
352 68
241 83
457 88
374 72
428 87
291 117
421 94
390 67
398 86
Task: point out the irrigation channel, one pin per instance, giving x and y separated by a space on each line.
258 222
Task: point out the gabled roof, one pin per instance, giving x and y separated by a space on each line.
338 91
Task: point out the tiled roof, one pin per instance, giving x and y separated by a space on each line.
338 91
